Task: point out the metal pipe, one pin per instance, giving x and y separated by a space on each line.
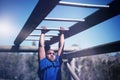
64 19
82 5
52 29
46 35
34 39
72 72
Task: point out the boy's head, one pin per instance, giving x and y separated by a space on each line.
50 54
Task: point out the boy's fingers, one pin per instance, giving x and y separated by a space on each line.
61 28
44 27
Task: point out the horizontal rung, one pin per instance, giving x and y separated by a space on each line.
53 29
31 40
82 5
64 19
46 35
34 39
24 49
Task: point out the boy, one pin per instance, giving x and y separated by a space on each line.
49 62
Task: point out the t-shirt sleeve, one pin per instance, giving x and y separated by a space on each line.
58 59
43 63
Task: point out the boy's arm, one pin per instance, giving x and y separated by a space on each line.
61 41
41 53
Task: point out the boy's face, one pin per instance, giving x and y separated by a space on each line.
51 55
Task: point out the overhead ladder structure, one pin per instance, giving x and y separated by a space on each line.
42 9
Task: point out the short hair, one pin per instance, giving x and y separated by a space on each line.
47 47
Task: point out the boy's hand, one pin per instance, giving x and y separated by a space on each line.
62 30
44 29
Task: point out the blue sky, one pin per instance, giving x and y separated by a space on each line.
14 14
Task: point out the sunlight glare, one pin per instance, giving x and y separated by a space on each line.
6 26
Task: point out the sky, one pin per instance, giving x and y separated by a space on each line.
14 14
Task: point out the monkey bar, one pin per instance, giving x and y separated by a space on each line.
46 35
31 39
52 29
44 7
82 5
64 19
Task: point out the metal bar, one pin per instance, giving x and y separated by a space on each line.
23 49
31 40
64 19
46 35
18 49
42 9
101 49
71 71
52 29
82 5
92 20
34 39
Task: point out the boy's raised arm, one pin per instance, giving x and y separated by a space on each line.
61 41
41 44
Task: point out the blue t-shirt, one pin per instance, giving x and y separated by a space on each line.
50 70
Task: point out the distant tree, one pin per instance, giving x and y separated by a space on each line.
8 66
25 66
18 66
